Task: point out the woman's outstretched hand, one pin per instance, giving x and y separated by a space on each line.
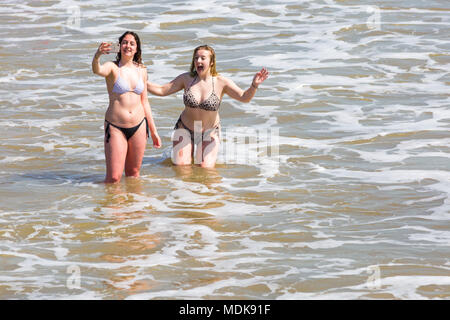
260 77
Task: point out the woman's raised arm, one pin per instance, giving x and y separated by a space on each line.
105 69
237 93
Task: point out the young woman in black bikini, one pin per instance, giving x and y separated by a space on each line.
125 136
203 84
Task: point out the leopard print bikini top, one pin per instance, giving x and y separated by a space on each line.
212 103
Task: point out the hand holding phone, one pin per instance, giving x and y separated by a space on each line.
115 47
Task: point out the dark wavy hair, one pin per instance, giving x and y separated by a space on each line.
138 55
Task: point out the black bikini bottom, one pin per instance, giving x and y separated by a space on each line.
181 125
128 132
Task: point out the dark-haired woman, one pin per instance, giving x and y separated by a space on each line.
128 119
199 121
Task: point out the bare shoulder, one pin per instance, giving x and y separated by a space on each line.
220 77
224 81
140 65
142 69
184 78
111 69
110 64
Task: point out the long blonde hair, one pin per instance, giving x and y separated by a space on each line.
193 72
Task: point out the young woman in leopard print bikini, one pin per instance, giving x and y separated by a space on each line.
203 92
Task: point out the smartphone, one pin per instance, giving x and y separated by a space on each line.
115 47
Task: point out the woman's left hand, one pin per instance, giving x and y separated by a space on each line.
156 140
260 77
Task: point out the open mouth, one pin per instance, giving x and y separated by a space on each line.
200 68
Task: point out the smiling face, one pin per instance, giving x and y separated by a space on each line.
203 61
128 46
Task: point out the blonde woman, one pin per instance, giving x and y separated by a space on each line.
128 118
203 92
